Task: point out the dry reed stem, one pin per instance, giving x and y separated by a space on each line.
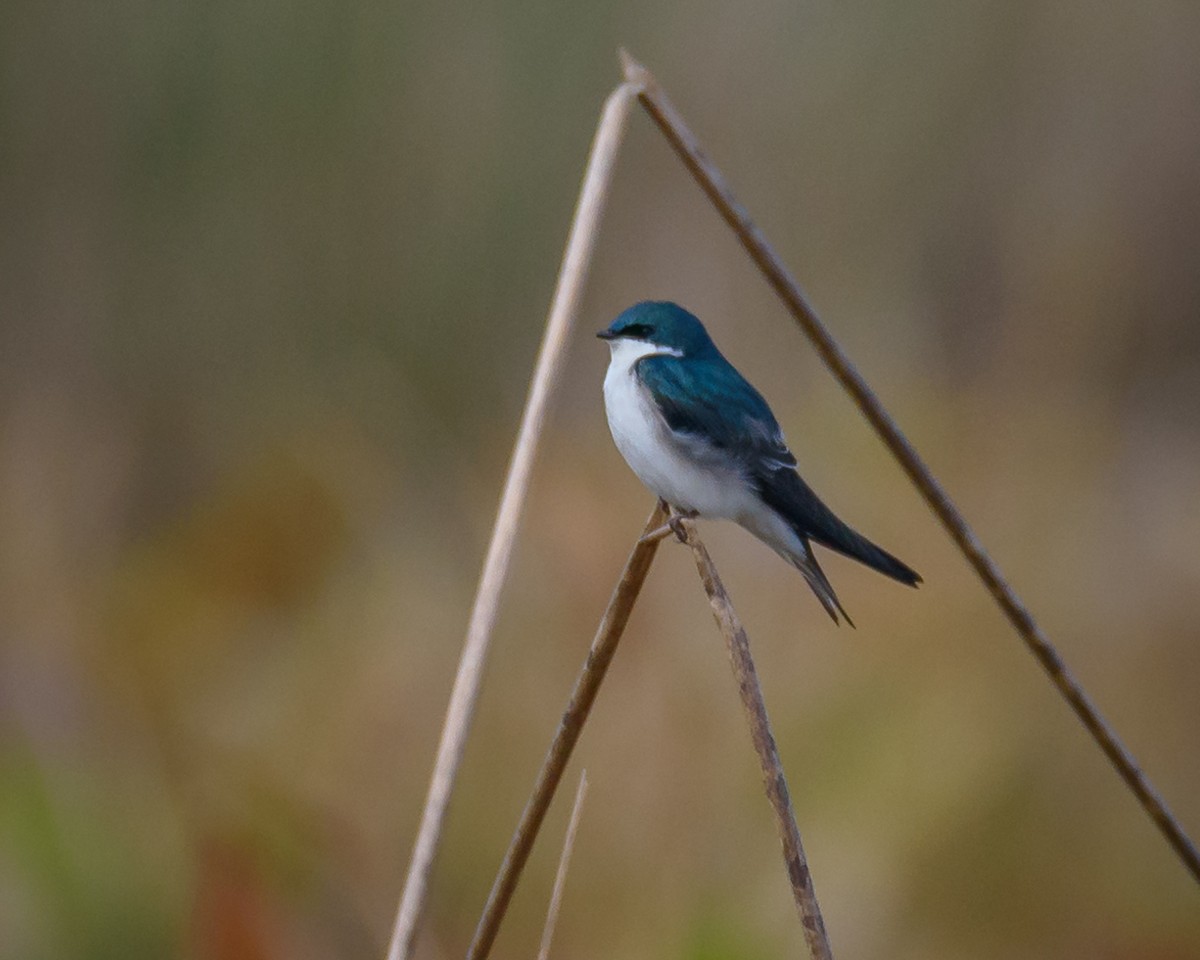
465 693
714 185
564 863
608 635
774 782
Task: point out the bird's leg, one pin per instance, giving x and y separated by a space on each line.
674 524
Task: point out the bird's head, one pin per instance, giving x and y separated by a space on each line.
664 326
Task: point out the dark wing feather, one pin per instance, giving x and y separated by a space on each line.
785 492
708 400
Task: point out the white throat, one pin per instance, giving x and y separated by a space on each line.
626 352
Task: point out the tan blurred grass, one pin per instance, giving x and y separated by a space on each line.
270 283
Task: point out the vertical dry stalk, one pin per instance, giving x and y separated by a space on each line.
716 188
576 259
608 635
764 745
564 863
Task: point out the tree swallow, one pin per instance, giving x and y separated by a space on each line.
704 440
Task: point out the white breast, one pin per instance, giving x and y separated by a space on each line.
662 461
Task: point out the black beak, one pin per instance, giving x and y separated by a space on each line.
606 335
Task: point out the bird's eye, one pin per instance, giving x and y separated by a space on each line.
637 331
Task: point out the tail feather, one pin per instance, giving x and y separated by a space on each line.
820 585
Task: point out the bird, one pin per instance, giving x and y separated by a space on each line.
704 441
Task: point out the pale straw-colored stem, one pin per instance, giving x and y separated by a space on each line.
774 783
579 707
465 693
564 863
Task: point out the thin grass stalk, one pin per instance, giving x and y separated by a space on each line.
774 782
716 188
465 693
604 646
564 863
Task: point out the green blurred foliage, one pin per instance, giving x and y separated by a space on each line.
272 276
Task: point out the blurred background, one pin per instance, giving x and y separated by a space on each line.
272 278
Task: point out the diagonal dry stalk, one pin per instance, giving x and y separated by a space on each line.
716 188
764 745
465 693
564 862
608 635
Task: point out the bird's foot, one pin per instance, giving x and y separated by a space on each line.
675 522
674 525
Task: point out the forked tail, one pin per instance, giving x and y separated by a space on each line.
820 585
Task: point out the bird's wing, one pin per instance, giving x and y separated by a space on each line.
785 492
711 407
709 404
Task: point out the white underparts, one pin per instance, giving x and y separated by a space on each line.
681 469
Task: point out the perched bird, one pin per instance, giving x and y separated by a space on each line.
704 440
